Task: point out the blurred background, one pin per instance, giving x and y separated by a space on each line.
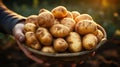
104 12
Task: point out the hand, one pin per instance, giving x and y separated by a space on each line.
18 31
20 37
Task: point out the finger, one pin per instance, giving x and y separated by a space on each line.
20 36
18 32
28 54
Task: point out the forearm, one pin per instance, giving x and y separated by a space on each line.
8 19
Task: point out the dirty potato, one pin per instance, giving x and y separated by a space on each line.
83 17
85 27
44 36
69 15
99 34
46 19
30 27
43 10
75 14
60 45
59 12
59 30
48 49
89 41
69 22
56 21
32 41
32 19
74 41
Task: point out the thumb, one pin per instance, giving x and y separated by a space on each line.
18 32
20 36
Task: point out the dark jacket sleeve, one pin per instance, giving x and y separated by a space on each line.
8 19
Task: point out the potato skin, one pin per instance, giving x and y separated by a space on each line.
48 49
83 17
69 15
59 30
85 26
32 19
60 45
44 36
69 22
89 41
32 41
74 41
46 19
30 27
75 14
43 10
59 12
99 34
56 21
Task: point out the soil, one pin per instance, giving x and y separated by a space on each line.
107 55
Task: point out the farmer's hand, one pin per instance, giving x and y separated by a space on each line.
20 37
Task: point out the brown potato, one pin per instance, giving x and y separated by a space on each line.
60 45
46 19
43 10
48 49
32 19
56 21
89 41
99 34
44 36
59 12
75 14
83 17
69 15
30 27
85 27
74 41
32 41
69 22
59 30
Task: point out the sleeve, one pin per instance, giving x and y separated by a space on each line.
8 19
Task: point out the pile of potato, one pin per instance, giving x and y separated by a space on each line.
61 31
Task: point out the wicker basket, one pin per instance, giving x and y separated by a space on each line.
67 57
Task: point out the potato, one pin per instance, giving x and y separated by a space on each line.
83 17
46 19
59 12
32 19
74 41
56 21
30 27
89 41
99 34
43 10
32 41
59 30
69 15
48 49
75 14
69 22
44 36
85 26
60 45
